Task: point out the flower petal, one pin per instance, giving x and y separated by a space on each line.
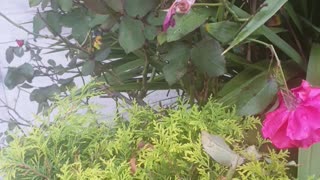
169 20
274 121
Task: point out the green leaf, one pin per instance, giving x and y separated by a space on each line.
188 22
294 16
131 36
230 92
26 86
52 63
18 75
43 107
261 17
206 56
9 54
34 2
38 23
18 51
150 32
80 31
177 58
257 96
44 4
223 31
97 6
44 93
54 23
156 18
309 158
102 54
139 8
116 5
281 44
129 66
88 68
274 39
313 73
97 20
66 5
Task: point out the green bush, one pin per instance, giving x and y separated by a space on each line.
164 145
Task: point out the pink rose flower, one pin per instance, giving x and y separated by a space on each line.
178 6
296 121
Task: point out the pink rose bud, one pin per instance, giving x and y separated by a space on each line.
179 6
20 42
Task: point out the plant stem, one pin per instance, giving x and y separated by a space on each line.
24 29
277 60
208 4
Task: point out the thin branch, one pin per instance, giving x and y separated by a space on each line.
66 41
24 29
144 75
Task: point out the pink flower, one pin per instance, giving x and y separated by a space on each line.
179 6
20 42
296 121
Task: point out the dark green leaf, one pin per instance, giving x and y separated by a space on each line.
9 54
26 86
156 18
38 23
150 32
43 107
97 6
65 81
230 92
34 2
223 31
88 68
177 58
18 75
129 66
11 125
139 8
206 56
59 69
102 54
188 22
52 63
116 5
257 96
18 51
44 93
97 20
65 5
131 35
80 31
53 20
44 4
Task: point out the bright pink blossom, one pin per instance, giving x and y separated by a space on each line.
296 121
179 6
20 42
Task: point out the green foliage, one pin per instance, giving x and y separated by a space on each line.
78 144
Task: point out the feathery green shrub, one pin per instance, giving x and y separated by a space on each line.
77 144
